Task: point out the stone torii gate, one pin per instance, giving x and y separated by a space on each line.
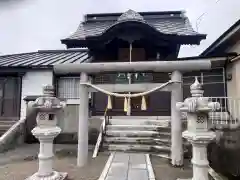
176 67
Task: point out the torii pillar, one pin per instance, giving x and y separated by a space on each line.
176 121
82 155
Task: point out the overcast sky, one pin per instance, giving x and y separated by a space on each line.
30 25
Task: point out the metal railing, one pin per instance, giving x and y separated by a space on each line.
101 133
229 113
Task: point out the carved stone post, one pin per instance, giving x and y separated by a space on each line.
198 133
176 122
46 130
83 123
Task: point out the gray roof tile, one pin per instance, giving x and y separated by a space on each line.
46 58
170 23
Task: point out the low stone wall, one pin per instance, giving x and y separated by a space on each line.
224 154
72 137
14 139
68 122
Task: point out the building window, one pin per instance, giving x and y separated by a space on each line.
68 88
122 78
142 78
137 77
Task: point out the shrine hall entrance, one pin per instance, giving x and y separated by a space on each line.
158 104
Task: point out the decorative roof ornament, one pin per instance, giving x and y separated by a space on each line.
130 15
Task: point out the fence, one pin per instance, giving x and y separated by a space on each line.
229 112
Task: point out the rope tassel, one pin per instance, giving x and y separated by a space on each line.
125 104
144 104
109 103
129 104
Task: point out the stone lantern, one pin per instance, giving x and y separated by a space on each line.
46 130
198 134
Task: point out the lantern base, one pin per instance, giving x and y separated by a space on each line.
54 176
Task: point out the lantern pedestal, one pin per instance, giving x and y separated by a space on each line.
46 136
199 160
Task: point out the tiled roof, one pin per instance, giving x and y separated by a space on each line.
223 42
173 23
44 58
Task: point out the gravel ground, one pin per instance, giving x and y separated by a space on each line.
164 171
22 162
65 161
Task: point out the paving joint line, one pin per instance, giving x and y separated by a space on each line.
107 167
151 175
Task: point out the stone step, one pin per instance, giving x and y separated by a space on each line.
137 140
141 140
142 117
161 141
138 127
162 155
7 122
128 133
5 126
117 133
2 132
134 140
136 148
167 141
162 135
165 122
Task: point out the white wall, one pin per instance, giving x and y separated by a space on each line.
235 48
32 85
69 120
233 86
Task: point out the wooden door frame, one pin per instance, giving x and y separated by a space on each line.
16 96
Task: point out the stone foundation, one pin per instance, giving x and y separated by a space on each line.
72 138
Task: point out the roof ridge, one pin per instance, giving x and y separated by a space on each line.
63 50
141 13
44 58
13 54
46 51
